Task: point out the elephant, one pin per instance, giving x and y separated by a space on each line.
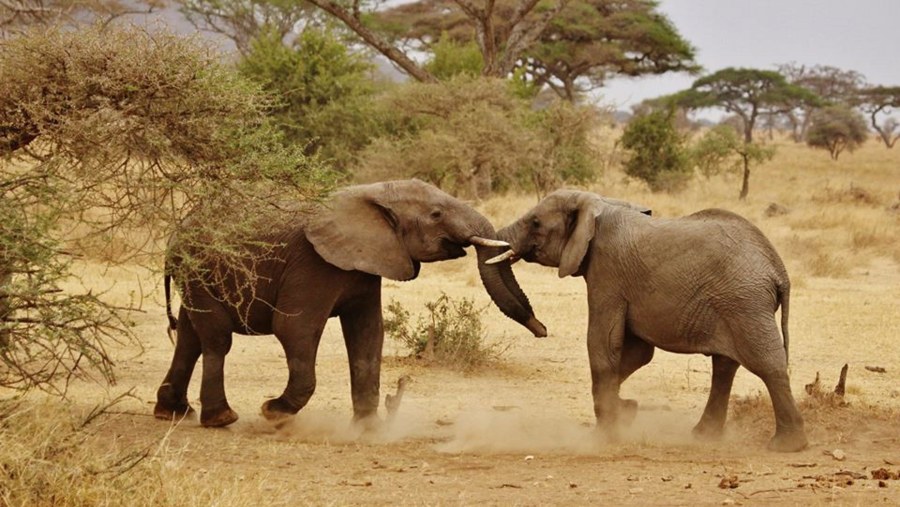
328 264
708 283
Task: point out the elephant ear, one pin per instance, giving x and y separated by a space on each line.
583 218
354 231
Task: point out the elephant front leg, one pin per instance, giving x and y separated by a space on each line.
606 332
363 330
301 343
712 423
635 354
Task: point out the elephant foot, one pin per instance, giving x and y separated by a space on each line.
276 409
708 431
788 441
627 411
178 412
368 423
218 419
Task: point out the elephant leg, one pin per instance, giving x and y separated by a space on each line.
712 423
635 354
363 332
171 397
214 327
764 355
300 341
606 333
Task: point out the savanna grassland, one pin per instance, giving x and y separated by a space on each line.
518 432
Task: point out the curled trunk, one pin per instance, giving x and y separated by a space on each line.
500 283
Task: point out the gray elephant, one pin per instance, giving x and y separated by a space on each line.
329 264
706 283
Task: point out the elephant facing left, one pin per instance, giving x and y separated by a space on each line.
329 264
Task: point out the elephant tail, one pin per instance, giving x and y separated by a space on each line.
784 300
173 322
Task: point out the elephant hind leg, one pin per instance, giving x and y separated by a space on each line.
171 397
214 327
767 359
712 423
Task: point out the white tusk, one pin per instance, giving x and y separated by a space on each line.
478 240
502 257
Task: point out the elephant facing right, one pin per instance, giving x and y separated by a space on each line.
706 283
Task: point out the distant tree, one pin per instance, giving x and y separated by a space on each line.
323 92
581 47
837 128
243 21
107 140
656 151
831 84
721 149
748 94
881 100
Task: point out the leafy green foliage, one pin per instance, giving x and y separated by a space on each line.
323 93
656 152
473 136
721 149
452 58
837 128
450 333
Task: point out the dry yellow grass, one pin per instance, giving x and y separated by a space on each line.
463 438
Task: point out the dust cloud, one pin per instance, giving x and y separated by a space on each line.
483 430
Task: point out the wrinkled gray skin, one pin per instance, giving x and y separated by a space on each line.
329 266
706 283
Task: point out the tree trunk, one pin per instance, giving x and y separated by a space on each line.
745 186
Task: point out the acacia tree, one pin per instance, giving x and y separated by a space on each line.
881 100
501 45
837 128
831 84
580 47
748 94
118 134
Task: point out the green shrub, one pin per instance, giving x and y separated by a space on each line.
450 333
323 92
656 152
453 58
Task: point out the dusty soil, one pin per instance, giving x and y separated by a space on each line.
519 432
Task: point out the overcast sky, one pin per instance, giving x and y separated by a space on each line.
860 35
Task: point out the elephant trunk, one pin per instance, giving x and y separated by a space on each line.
500 283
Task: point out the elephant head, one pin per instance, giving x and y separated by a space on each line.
389 228
558 230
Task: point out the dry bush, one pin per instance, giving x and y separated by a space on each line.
852 194
450 333
51 454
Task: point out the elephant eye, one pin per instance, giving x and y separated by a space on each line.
535 222
436 214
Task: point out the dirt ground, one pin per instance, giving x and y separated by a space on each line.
519 432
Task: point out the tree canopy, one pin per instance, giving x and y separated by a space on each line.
580 47
878 101
831 84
